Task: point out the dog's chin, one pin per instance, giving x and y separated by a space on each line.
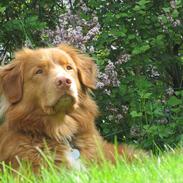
65 104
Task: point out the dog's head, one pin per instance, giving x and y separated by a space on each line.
51 79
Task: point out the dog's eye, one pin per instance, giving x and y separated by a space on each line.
69 67
39 71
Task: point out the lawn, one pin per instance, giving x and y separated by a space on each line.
165 168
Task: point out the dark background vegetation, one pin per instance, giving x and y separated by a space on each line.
138 47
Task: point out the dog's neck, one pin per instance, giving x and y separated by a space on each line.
60 125
24 119
29 120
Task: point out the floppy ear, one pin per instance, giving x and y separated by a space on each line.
85 65
12 82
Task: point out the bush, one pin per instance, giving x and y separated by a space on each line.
139 54
22 24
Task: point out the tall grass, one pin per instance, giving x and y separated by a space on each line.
166 168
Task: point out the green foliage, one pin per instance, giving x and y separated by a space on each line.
151 32
22 22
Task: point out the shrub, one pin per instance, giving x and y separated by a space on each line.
22 23
139 54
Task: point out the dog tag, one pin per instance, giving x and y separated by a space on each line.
75 154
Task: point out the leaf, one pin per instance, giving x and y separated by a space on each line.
123 89
143 2
163 19
146 95
173 101
121 15
119 32
142 84
166 10
175 13
131 36
137 8
135 114
165 132
2 9
140 49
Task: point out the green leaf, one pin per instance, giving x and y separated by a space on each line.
121 15
166 10
123 89
137 8
146 95
140 49
174 101
143 2
2 9
135 114
175 13
131 36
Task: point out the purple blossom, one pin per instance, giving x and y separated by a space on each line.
171 20
110 117
135 131
123 58
75 34
100 85
176 23
110 75
169 91
173 4
119 117
124 109
152 71
107 91
162 121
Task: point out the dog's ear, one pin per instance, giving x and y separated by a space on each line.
12 82
85 65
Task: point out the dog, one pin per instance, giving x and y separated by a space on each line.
45 94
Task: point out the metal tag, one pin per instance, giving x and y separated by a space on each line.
75 154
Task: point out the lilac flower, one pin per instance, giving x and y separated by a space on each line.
70 32
104 78
123 59
169 91
107 91
134 131
176 23
173 4
162 121
124 109
119 117
152 71
100 85
110 117
110 75
110 70
173 21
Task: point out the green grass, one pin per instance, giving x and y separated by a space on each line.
167 168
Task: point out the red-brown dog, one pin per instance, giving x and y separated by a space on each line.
45 94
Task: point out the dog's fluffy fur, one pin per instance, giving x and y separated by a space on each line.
38 113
